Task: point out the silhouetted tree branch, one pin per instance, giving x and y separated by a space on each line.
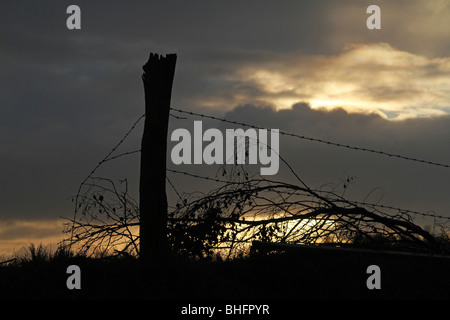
243 210
105 220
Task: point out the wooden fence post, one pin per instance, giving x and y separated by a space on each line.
158 79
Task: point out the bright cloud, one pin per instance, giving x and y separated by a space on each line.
374 78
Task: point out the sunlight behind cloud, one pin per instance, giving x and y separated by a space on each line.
368 78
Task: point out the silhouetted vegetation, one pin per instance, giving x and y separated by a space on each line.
309 275
243 209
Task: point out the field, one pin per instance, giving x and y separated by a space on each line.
310 275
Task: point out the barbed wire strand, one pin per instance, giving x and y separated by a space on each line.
107 158
331 143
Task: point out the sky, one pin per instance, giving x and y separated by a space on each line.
307 67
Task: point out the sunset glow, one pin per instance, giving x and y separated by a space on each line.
15 235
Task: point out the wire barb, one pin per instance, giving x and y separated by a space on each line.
331 143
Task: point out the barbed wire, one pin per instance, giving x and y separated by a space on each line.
106 159
331 143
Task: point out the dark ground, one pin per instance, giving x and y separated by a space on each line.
293 276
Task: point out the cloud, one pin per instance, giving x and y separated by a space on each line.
412 26
372 77
20 229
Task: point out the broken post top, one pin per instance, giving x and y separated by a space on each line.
156 61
